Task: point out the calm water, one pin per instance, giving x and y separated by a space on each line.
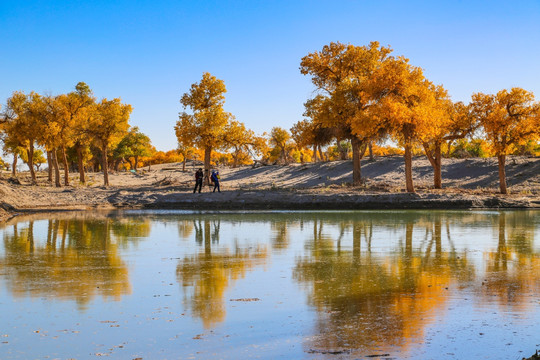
290 285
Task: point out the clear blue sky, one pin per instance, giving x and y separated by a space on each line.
150 52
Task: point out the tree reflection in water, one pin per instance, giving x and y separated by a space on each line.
76 259
365 299
374 301
205 276
377 280
513 268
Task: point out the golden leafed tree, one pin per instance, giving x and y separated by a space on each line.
51 115
282 144
54 115
407 106
302 133
342 74
20 127
323 125
186 151
83 103
509 118
242 141
69 106
453 121
107 126
205 126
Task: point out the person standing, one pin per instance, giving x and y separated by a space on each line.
198 180
215 179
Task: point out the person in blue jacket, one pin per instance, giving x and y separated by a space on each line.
215 179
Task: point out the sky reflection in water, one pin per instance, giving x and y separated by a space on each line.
314 285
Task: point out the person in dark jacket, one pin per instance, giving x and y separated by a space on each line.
198 180
215 179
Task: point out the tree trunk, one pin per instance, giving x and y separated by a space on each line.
235 155
435 159
66 169
284 157
409 228
438 239
357 242
408 168
502 173
136 162
314 153
207 239
30 152
56 168
207 157
80 161
184 165
321 155
449 150
14 166
105 165
358 150
342 150
301 156
437 170
31 236
50 167
370 147
501 258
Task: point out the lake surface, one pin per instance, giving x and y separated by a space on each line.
271 285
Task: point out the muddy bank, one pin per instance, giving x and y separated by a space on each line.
169 198
5 215
275 200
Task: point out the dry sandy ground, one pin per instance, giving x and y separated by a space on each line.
468 183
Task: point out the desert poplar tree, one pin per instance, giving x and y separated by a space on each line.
243 142
134 145
324 126
303 136
51 114
84 103
66 123
406 105
282 143
341 73
205 126
453 122
21 127
107 126
509 118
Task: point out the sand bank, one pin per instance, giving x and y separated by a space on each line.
468 184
